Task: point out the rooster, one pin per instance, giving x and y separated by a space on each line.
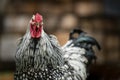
40 57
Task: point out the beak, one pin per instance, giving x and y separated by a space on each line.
37 24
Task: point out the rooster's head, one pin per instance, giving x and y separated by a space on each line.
36 25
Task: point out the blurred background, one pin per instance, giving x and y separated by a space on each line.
99 18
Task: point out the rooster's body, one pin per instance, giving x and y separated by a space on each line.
40 57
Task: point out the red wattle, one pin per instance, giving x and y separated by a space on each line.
35 33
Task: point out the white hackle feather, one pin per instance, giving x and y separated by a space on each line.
47 51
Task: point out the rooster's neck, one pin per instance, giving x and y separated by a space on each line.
35 41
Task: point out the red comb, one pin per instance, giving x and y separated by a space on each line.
38 17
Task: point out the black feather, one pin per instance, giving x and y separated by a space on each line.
87 40
76 31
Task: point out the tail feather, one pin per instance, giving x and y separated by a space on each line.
79 53
87 40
